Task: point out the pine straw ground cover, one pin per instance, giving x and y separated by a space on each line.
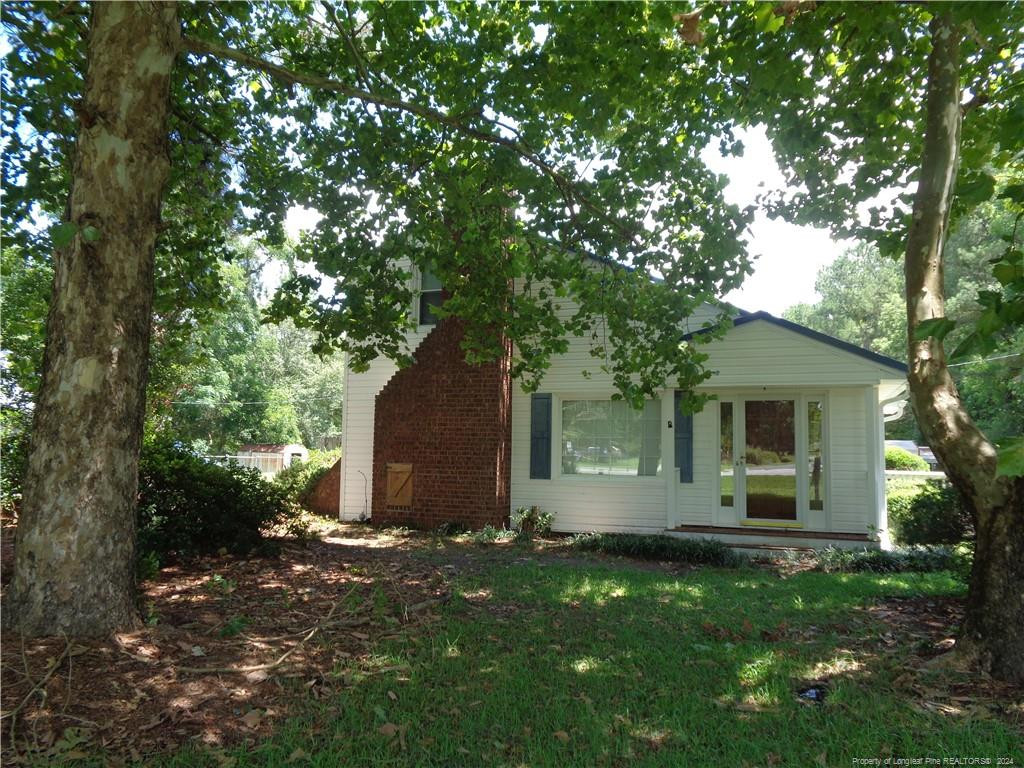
384 648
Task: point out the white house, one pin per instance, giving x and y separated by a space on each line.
789 451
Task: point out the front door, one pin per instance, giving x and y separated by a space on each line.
759 482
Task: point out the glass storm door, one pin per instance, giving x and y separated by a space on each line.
768 463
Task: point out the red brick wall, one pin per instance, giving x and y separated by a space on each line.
452 422
324 498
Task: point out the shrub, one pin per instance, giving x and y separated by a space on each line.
188 506
532 521
489 534
15 427
298 480
452 528
694 551
932 514
963 561
907 559
761 456
898 458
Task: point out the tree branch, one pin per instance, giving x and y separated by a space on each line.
293 77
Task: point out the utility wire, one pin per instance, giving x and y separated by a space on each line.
251 402
986 360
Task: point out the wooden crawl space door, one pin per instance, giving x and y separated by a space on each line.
399 485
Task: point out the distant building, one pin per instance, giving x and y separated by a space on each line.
270 458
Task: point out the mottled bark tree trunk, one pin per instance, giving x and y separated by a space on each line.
993 631
75 549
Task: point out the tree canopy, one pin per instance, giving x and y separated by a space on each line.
486 142
862 302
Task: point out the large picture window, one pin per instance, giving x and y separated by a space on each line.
608 437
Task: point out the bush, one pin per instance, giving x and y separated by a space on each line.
932 513
298 480
900 459
188 506
762 456
15 427
489 534
532 521
908 559
693 551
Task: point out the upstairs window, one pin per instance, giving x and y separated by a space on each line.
608 437
430 297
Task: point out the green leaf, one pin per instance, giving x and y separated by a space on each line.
1010 461
62 234
1013 192
976 188
938 327
90 234
1006 273
974 344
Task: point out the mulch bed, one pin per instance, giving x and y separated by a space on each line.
230 647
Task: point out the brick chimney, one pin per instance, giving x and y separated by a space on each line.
442 437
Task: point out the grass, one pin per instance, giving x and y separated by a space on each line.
559 665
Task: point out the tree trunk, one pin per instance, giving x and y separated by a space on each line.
75 551
993 631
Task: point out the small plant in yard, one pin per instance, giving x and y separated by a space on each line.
489 534
531 521
234 626
218 585
694 551
451 528
147 566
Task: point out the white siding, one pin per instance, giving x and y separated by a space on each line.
762 354
753 358
852 502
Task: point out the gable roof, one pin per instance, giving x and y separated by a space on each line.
749 317
745 317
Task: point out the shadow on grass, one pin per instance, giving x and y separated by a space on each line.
538 660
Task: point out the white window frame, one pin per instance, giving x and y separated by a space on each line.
556 448
420 325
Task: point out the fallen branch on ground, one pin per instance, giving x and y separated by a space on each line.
49 673
273 664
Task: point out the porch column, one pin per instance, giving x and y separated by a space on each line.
875 433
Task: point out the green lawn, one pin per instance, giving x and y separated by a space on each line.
561 665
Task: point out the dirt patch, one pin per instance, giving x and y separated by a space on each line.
231 646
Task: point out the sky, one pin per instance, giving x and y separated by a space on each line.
787 256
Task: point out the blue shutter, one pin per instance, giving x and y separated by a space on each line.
540 437
684 442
